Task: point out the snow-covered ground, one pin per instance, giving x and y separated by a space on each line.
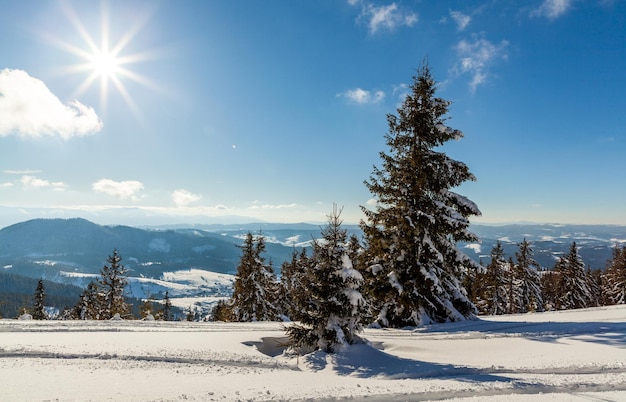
572 355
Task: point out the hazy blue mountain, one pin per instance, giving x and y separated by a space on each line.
550 241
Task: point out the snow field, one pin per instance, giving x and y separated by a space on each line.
571 355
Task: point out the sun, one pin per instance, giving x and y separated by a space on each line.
102 62
105 64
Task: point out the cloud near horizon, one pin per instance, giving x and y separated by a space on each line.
183 198
35 182
29 109
128 189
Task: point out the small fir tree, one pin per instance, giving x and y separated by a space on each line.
112 283
89 306
291 284
166 314
255 284
614 279
494 297
550 283
39 312
413 232
329 299
528 284
222 311
574 289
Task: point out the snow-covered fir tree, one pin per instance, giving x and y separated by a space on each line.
292 283
39 299
573 289
89 304
328 299
528 294
550 282
614 278
254 293
221 311
112 283
493 292
413 232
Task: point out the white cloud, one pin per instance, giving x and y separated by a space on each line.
476 56
35 182
6 185
25 171
461 20
552 8
384 17
128 189
182 198
362 96
29 109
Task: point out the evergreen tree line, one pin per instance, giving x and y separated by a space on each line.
104 299
16 294
520 285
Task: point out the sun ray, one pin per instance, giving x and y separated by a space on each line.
107 62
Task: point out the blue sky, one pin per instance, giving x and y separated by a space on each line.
146 112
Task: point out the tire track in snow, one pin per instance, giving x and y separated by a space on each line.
33 354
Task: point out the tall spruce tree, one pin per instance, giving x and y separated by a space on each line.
329 300
39 299
573 288
255 284
614 278
112 282
527 282
417 222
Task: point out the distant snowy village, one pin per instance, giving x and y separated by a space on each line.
395 310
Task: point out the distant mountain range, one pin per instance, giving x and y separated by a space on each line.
196 263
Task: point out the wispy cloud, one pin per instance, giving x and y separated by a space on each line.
128 189
552 9
29 109
6 184
461 20
277 206
25 171
476 56
35 182
362 96
387 17
183 198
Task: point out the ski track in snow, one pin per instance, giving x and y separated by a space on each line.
572 355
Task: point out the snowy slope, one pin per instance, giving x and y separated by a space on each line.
572 355
196 288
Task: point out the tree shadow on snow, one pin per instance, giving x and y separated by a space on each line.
365 361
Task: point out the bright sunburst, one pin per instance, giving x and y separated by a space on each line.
104 63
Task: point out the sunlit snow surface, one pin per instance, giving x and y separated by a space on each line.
573 356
